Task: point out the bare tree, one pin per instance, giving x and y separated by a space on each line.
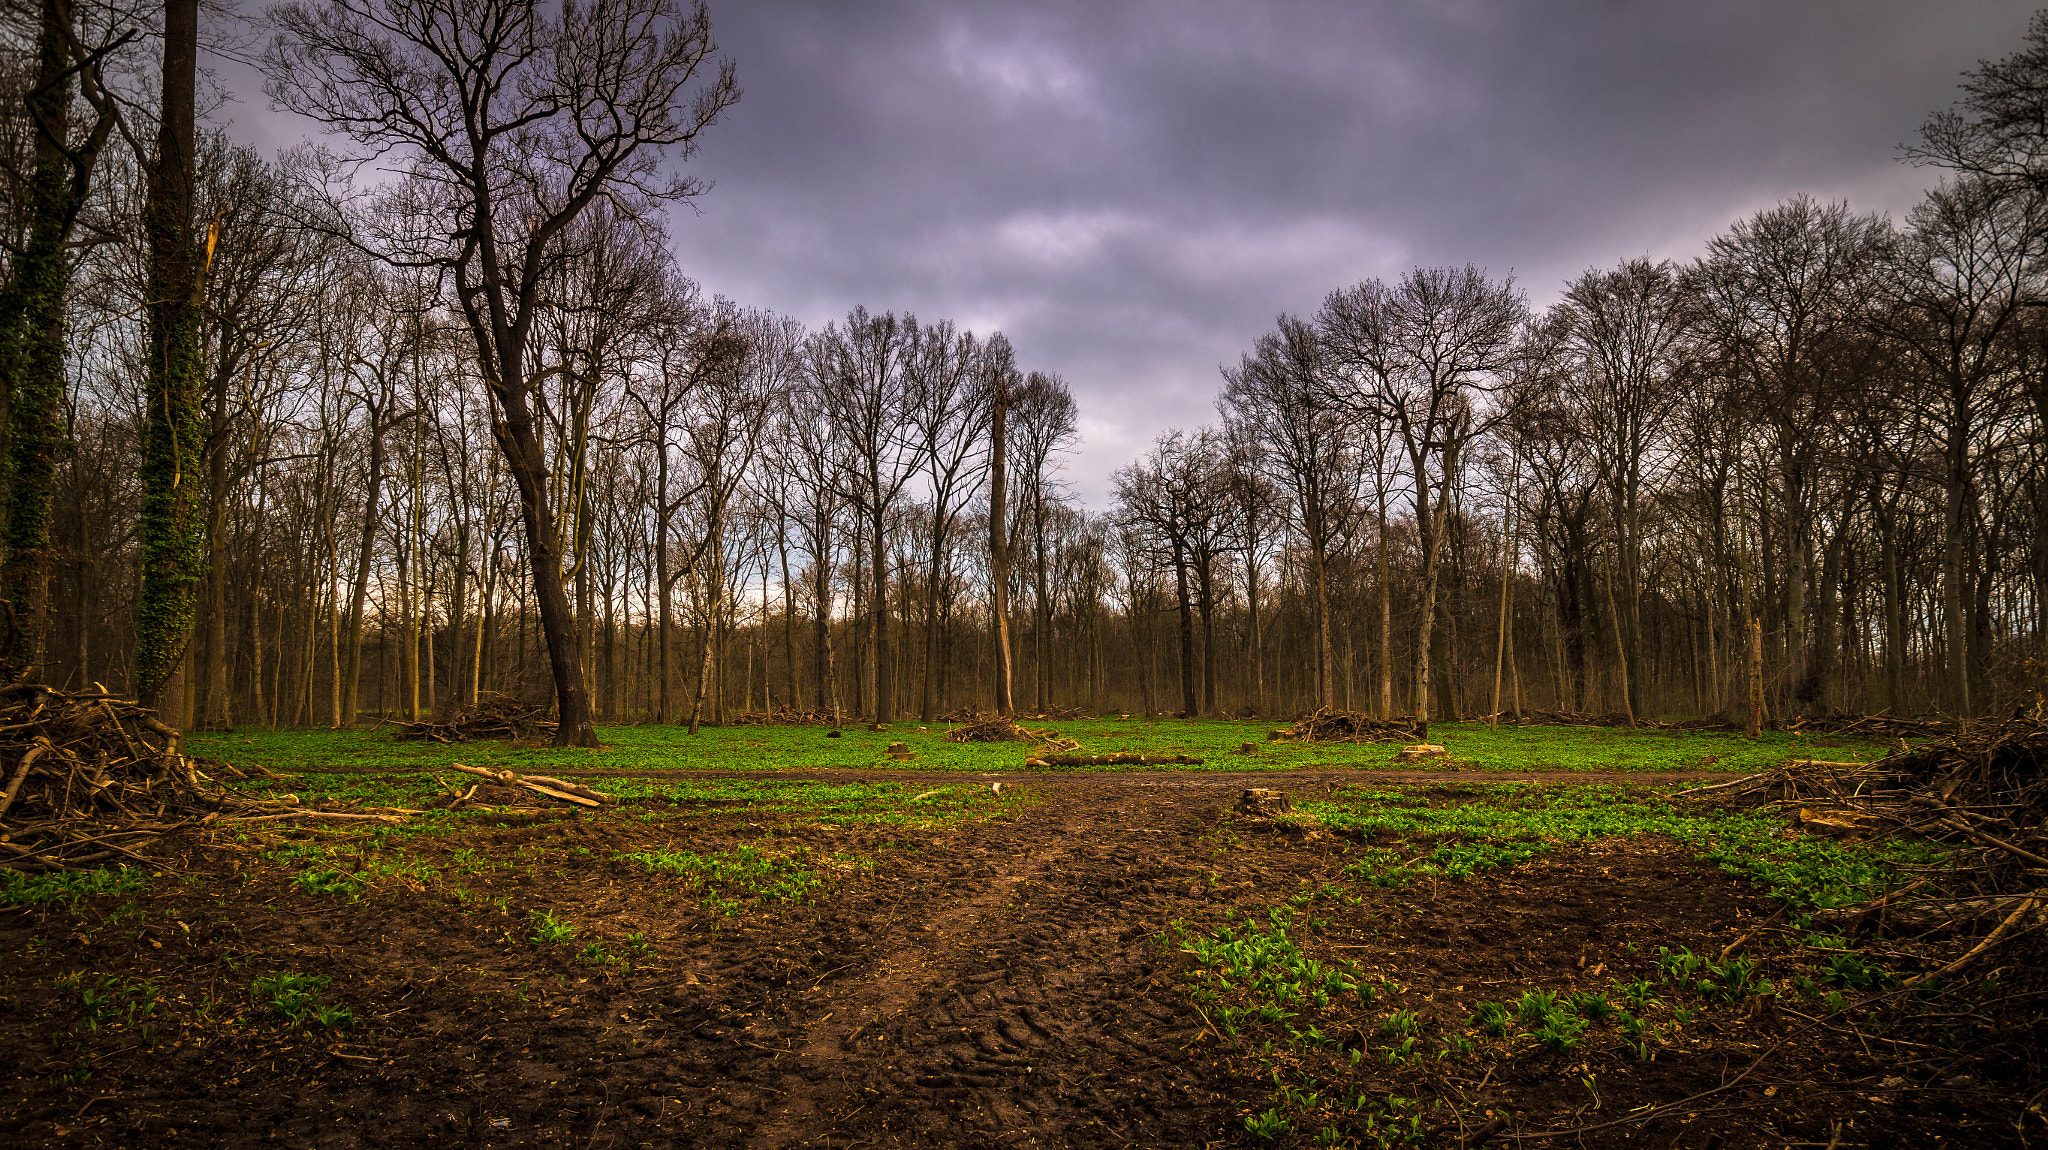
1280 396
948 409
513 123
1416 357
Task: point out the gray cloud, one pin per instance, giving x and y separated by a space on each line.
1132 190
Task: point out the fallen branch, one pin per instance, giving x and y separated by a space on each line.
542 784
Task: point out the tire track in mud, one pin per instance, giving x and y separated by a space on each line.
1024 1002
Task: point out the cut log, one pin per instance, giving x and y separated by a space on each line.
1421 751
542 784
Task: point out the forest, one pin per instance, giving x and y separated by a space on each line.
455 422
466 680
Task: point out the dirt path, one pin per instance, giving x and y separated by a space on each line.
1010 991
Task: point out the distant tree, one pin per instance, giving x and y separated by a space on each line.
1628 335
1969 267
1999 129
1418 357
1169 499
1042 423
1279 396
948 410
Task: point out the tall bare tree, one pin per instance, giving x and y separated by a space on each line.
512 120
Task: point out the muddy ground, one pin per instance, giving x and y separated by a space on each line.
1008 982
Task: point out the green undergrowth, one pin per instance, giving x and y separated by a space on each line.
650 747
1360 1060
923 806
730 881
1458 833
70 886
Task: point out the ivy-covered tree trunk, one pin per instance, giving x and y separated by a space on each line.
33 335
173 536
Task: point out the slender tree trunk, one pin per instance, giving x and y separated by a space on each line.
878 620
1189 702
999 548
366 549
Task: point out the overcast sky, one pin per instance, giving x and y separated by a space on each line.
1132 191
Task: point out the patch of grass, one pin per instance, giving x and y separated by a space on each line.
729 880
72 886
1482 827
630 749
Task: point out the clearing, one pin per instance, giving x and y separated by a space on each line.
915 956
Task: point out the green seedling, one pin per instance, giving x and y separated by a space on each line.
1267 1126
549 930
1493 1019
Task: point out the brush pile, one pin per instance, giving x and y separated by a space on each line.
1840 722
91 779
1063 714
785 715
1835 722
491 717
1331 725
1983 791
996 729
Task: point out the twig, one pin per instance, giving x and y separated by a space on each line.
1989 941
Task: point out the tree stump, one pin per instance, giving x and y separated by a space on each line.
1420 752
1263 803
1247 748
901 752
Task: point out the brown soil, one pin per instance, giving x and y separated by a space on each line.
1003 983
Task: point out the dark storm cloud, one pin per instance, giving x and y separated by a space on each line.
1132 190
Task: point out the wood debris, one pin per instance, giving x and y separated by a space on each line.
491 717
1334 725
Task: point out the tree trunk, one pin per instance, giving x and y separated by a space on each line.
999 549
353 658
173 546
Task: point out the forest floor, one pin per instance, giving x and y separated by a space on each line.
902 958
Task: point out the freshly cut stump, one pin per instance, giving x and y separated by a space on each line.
1420 752
1263 803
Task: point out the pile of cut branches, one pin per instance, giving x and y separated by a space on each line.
1063 714
996 729
1983 792
1835 722
92 779
1331 725
1840 722
491 717
785 715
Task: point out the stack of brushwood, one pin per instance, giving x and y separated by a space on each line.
92 779
1835 722
1331 725
1063 714
1982 790
785 715
996 729
491 717
1840 722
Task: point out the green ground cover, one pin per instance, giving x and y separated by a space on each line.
1257 983
1476 828
631 749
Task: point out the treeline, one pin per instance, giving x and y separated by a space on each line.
468 428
